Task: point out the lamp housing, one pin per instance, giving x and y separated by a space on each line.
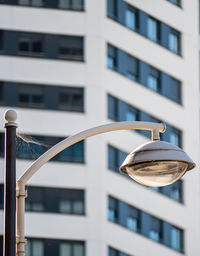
157 164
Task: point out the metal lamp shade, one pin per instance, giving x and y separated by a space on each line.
157 163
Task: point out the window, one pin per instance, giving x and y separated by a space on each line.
1 40
71 249
112 209
71 202
176 2
113 108
131 223
30 96
35 201
55 200
43 247
1 245
176 191
37 145
49 46
153 79
131 114
30 44
71 99
35 3
174 41
114 252
42 96
112 57
1 196
131 18
34 248
176 239
112 9
153 29
71 48
115 158
174 137
155 232
76 5
1 92
132 68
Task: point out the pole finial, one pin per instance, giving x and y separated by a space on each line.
10 116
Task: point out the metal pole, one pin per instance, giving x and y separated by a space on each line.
9 241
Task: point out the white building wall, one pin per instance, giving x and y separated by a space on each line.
97 80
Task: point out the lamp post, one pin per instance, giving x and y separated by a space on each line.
155 163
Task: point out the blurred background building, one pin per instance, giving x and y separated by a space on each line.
68 65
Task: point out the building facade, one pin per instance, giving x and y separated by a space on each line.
68 65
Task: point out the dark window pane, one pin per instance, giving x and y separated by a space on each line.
24 45
153 79
30 44
113 209
153 29
1 92
176 2
114 252
130 19
1 196
71 100
132 68
1 40
112 9
155 232
112 108
76 5
176 242
133 219
112 57
174 41
35 3
71 48
30 96
37 46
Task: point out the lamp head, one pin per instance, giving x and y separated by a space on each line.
157 164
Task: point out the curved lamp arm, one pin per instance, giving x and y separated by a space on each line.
156 128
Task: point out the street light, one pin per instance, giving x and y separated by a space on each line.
155 163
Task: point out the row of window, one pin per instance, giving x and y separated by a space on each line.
75 5
51 247
116 158
119 110
50 46
145 224
52 200
42 96
144 24
31 147
143 73
118 212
